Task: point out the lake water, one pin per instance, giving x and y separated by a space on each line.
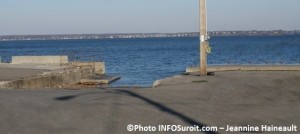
142 61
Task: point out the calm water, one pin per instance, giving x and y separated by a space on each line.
142 61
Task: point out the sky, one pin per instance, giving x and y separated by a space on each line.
20 17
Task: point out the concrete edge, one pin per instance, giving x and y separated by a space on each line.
247 68
105 80
159 82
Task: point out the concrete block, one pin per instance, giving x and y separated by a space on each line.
39 59
98 67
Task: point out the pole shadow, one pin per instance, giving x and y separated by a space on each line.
157 105
167 110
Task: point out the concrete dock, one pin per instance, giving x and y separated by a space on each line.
235 98
32 72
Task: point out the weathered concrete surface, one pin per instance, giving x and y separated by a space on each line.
39 59
31 76
216 68
228 98
16 76
50 79
13 72
99 67
8 74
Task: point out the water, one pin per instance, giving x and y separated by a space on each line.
142 61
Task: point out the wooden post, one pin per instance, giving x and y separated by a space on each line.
203 38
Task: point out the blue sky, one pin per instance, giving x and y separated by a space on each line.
146 16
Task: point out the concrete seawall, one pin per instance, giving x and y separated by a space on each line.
30 72
50 79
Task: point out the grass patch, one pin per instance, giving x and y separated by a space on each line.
199 81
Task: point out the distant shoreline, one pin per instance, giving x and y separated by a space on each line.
144 35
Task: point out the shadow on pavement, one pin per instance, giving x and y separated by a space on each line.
157 105
65 98
70 97
168 110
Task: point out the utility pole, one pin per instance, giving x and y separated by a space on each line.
203 38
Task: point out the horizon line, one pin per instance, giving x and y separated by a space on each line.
143 32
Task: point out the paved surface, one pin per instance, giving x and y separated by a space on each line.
228 98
